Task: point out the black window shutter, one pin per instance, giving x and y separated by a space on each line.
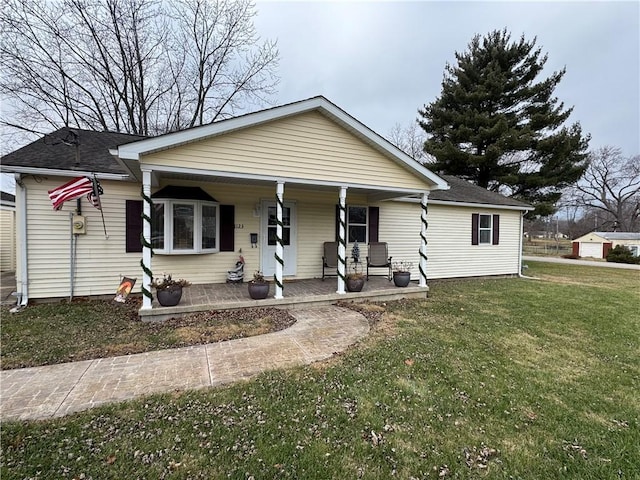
133 213
374 223
496 229
475 223
227 228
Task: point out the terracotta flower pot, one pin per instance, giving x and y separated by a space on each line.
169 297
401 279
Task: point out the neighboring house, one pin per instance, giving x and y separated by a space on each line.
598 244
213 191
7 232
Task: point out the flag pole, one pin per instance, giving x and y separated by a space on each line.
96 194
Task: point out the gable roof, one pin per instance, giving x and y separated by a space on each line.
464 192
96 149
57 152
131 153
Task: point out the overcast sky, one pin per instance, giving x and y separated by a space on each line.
382 61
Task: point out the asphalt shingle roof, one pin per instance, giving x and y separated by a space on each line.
52 153
464 192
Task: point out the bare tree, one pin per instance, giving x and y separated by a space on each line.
136 66
610 189
410 139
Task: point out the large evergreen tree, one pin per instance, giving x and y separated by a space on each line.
495 125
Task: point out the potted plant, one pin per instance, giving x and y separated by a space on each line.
168 290
355 280
258 287
402 273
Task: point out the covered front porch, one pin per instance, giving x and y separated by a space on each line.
298 293
273 187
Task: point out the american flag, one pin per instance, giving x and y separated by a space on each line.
73 189
94 195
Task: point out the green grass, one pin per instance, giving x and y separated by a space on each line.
52 333
502 378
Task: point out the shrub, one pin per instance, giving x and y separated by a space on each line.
621 254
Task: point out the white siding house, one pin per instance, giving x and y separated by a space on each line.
310 157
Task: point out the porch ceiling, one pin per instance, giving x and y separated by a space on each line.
372 193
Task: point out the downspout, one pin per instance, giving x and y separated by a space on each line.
23 294
520 265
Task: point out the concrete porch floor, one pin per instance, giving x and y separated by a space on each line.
297 293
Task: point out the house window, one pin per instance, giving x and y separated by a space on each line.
484 229
217 233
272 226
184 227
357 224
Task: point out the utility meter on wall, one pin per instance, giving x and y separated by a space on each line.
78 224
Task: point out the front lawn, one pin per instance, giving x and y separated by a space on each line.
505 378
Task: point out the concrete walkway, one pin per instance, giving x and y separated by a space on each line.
58 390
589 263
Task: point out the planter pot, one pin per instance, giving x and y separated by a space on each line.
258 291
169 297
401 279
355 284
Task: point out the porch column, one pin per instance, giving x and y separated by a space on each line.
342 241
423 240
145 263
279 246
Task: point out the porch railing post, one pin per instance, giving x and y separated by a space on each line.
342 241
279 255
145 262
423 239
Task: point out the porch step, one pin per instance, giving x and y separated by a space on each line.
158 313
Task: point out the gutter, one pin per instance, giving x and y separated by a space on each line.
64 173
23 293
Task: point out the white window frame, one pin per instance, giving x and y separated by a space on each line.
365 225
484 229
197 227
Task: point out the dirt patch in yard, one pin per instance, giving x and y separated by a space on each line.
61 332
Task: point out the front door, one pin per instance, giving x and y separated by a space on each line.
268 235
